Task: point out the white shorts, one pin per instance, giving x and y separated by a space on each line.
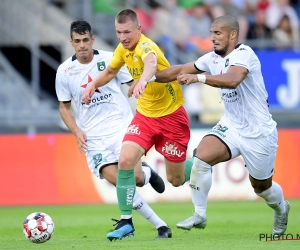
103 152
258 153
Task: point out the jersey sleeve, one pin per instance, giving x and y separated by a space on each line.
244 58
62 88
145 49
202 64
124 76
117 60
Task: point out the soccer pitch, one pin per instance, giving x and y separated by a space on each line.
230 225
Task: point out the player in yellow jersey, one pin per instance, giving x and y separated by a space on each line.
160 118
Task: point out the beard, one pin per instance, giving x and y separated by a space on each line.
223 51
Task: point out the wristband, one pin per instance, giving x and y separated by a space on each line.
152 79
201 78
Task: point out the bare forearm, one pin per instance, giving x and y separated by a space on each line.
169 74
150 68
107 75
228 81
69 119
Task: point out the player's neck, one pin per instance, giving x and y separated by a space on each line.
230 49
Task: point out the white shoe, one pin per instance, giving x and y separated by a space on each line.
194 221
281 221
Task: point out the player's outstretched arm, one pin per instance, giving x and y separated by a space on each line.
150 68
105 77
231 79
170 74
68 118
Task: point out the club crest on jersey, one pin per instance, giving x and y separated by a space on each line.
171 149
133 129
220 130
101 66
97 158
227 62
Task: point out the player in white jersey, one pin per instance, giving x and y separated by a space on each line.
246 128
103 123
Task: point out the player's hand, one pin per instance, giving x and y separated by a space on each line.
88 93
187 79
81 141
139 89
131 88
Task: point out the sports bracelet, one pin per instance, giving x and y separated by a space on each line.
201 78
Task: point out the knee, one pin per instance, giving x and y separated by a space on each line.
260 187
176 181
125 163
139 179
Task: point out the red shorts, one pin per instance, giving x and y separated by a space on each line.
170 134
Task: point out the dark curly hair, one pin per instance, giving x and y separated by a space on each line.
80 27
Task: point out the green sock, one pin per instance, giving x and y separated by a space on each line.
188 168
125 190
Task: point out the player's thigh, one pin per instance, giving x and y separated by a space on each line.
219 145
213 150
259 155
110 173
99 159
173 135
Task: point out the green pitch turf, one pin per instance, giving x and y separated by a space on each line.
230 225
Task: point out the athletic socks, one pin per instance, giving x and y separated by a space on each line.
126 187
142 207
188 168
200 184
274 198
147 174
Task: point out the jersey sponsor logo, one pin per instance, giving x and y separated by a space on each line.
144 44
129 54
98 100
133 129
101 66
69 68
75 73
171 91
135 72
171 149
231 96
227 62
241 49
90 80
97 158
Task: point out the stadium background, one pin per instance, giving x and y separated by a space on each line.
39 160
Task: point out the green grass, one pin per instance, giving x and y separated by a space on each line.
231 225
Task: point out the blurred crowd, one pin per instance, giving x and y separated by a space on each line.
184 24
182 29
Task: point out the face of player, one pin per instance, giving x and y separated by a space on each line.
128 34
220 37
83 46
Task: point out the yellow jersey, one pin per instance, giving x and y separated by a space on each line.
159 99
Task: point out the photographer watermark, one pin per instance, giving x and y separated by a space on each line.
276 237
